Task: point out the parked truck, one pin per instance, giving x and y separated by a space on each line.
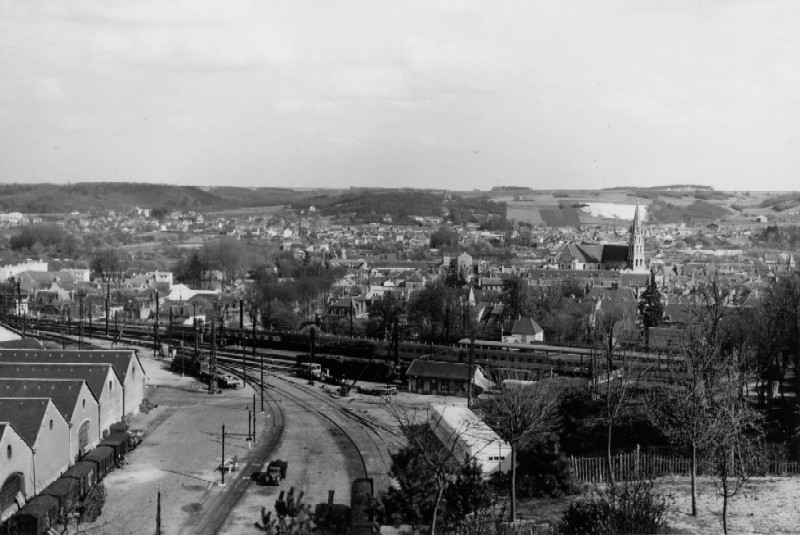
276 471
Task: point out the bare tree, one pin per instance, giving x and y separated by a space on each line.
518 412
616 385
680 409
736 430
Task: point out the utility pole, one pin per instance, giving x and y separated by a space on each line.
108 303
262 383
212 365
471 362
80 323
158 509
222 464
241 314
254 417
155 330
194 324
69 321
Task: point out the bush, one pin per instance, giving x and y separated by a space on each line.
630 507
544 471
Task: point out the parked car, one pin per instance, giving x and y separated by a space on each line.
230 381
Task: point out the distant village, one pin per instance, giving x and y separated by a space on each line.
381 261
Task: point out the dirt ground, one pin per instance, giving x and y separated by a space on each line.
764 505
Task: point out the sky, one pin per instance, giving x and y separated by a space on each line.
447 94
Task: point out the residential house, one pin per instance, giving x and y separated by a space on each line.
525 331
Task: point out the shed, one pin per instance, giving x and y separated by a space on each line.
447 378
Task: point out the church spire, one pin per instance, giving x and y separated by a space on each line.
636 245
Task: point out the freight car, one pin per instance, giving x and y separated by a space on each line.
78 491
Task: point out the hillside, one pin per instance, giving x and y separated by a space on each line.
100 196
402 206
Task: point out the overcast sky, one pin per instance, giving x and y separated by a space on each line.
437 94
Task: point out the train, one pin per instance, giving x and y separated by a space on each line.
492 355
78 492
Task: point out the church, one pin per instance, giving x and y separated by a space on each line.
607 256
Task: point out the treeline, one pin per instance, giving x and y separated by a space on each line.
780 203
697 212
775 237
374 206
88 196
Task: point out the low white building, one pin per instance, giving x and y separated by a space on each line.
459 427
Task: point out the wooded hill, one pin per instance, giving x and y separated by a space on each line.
102 196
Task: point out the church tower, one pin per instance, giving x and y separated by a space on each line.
636 245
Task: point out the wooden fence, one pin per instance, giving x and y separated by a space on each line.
628 466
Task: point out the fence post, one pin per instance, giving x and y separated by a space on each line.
636 462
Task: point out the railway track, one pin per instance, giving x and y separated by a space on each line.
214 516
285 392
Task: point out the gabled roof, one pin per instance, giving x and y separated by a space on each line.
6 428
63 392
94 374
119 359
25 415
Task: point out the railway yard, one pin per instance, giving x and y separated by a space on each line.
329 440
